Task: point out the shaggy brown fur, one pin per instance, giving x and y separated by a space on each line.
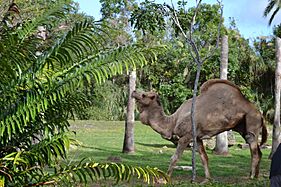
220 107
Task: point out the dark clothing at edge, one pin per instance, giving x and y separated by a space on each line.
275 168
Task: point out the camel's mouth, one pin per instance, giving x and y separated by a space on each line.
136 95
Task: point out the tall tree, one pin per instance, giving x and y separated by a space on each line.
221 147
119 12
129 144
276 134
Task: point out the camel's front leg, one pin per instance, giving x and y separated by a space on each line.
182 144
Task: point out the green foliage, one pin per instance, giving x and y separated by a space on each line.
169 75
112 104
108 102
41 91
277 30
149 16
264 75
115 8
207 21
173 74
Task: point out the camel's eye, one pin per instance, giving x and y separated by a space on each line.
143 95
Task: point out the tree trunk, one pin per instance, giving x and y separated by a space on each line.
221 147
193 120
276 136
128 145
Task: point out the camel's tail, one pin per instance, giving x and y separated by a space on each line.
264 133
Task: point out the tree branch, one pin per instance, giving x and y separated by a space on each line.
218 34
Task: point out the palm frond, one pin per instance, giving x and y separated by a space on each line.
22 42
273 15
93 67
83 39
269 8
31 27
71 174
39 93
115 171
5 7
51 147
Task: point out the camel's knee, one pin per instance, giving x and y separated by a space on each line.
254 147
203 154
174 158
250 137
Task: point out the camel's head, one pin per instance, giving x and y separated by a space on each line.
148 104
146 99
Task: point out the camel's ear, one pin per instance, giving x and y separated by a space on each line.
151 95
154 96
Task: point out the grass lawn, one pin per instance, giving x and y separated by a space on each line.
102 141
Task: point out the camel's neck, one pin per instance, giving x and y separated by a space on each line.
161 123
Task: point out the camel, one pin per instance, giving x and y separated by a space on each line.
219 107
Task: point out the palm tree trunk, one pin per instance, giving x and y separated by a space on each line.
128 144
221 147
276 135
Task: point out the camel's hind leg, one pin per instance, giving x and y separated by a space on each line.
251 137
182 144
204 158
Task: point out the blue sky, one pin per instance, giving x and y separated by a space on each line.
248 14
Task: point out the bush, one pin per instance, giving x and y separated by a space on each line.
108 102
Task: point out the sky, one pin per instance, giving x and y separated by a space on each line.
248 14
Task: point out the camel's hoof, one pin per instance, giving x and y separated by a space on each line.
253 177
161 181
205 181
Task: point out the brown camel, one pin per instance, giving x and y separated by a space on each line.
219 107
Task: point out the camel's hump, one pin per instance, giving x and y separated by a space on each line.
211 82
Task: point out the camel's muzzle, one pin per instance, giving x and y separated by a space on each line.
136 95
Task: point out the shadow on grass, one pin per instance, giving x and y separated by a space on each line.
156 145
93 149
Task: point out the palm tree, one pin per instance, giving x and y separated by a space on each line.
273 5
40 85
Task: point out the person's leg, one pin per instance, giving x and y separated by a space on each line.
275 181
